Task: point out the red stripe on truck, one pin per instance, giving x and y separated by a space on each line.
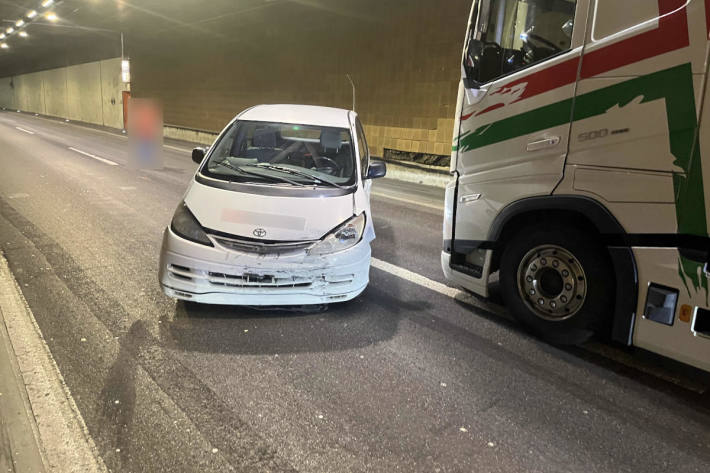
671 34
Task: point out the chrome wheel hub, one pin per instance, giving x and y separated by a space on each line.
552 282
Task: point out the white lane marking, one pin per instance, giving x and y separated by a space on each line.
183 150
25 131
408 201
19 195
127 188
65 439
415 278
98 158
605 351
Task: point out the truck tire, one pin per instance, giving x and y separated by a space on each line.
558 282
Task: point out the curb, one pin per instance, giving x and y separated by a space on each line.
61 436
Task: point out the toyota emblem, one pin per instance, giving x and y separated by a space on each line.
259 232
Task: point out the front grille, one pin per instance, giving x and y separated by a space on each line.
263 248
257 280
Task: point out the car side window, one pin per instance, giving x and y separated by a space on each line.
517 34
364 150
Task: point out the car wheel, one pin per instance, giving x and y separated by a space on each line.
558 282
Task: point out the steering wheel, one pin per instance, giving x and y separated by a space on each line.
331 163
546 42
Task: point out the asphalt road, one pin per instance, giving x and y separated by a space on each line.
404 378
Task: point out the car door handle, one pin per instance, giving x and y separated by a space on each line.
545 143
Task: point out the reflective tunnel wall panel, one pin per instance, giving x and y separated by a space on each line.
89 93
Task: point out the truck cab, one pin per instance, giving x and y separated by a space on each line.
579 173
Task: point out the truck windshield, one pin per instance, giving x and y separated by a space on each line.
284 154
508 35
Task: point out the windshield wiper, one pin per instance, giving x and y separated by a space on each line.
228 165
311 177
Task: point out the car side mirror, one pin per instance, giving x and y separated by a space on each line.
376 170
198 154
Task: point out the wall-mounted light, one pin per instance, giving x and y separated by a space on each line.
51 16
20 23
47 3
23 34
31 14
125 71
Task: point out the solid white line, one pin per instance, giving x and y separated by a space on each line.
25 131
408 201
98 158
415 278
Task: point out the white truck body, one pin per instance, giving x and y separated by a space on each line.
610 131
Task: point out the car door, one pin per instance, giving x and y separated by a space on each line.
520 70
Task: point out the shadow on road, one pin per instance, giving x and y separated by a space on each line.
369 319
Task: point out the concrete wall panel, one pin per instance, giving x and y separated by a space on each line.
7 93
111 92
90 93
29 92
55 92
84 93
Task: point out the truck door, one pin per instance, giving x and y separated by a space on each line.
520 69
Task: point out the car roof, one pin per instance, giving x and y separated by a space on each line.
298 115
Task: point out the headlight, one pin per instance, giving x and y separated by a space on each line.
186 225
345 236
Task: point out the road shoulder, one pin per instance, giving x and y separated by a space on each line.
41 427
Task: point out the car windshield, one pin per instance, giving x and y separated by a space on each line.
283 154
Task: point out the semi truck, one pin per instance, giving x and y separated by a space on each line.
581 170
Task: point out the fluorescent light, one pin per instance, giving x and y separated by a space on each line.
125 71
23 34
10 30
31 13
51 16
4 45
19 23
47 3
3 36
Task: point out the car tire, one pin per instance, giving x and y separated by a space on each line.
558 282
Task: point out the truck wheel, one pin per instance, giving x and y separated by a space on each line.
558 282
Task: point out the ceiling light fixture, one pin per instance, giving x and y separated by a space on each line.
31 14
23 34
51 16
10 30
47 3
3 36
20 23
4 45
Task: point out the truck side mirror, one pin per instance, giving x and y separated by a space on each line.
198 154
376 170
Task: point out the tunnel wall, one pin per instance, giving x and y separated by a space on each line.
90 93
403 56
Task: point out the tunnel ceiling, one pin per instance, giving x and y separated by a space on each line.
89 30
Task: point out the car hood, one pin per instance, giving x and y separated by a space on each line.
266 217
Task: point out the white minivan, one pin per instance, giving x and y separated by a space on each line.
278 212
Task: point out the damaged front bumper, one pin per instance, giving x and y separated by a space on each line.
217 275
